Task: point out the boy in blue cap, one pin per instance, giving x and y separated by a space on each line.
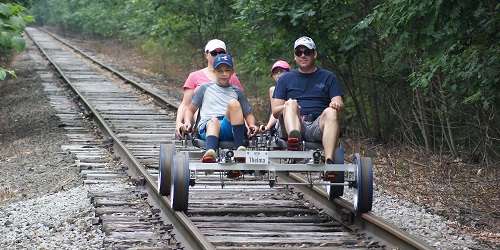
223 110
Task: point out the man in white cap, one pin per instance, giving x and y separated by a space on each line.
310 100
213 48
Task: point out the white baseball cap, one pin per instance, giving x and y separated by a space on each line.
215 44
306 41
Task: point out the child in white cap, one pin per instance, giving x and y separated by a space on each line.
213 48
224 109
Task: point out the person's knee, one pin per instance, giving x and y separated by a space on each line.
291 105
330 115
214 121
234 105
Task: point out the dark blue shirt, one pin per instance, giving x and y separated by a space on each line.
312 91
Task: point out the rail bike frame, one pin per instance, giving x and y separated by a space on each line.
178 170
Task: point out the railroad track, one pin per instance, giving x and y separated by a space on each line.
247 214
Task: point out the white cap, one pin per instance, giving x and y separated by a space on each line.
306 41
215 44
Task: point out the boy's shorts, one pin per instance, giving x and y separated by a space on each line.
225 131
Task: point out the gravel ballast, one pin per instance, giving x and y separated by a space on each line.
43 204
63 220
415 220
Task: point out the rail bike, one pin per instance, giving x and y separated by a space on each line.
266 155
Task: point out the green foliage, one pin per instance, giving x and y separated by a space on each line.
13 19
450 43
422 72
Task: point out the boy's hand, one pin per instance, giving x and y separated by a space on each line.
262 128
252 130
178 129
186 128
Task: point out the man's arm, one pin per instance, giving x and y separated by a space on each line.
337 103
186 101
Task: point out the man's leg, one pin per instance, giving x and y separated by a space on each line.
235 115
291 118
329 124
292 124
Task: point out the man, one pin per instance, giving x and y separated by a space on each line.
310 100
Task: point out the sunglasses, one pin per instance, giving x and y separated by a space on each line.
215 53
306 52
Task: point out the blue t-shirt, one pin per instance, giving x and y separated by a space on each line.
312 91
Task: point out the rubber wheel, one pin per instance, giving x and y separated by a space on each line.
338 191
179 191
363 197
167 152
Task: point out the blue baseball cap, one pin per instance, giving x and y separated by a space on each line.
223 59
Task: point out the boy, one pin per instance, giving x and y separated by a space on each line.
223 110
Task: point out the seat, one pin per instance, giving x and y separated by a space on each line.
200 143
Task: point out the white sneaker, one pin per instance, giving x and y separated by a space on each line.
209 157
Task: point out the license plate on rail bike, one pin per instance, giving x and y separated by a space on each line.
257 157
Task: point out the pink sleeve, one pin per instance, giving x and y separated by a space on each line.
236 82
190 82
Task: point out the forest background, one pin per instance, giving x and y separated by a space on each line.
423 73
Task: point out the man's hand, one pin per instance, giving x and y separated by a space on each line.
337 103
252 130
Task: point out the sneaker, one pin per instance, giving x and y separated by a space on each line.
240 159
209 156
233 174
330 175
293 142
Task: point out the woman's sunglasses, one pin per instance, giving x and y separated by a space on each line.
306 52
215 53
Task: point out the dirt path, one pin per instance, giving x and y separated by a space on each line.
31 160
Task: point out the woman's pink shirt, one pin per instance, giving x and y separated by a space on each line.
198 78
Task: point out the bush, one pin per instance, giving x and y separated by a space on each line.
13 20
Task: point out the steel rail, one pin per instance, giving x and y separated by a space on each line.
340 209
375 225
158 97
194 239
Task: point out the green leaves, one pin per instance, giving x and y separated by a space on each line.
5 10
4 72
384 52
18 43
13 20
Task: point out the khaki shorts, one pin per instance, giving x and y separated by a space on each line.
310 130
